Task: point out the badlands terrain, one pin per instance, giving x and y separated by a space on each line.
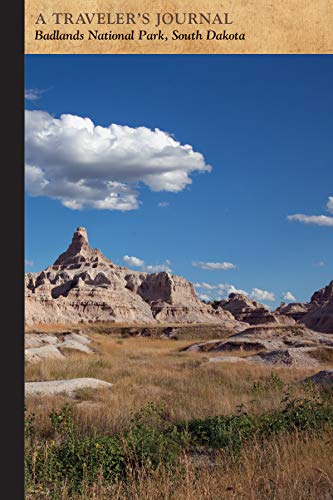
83 287
137 389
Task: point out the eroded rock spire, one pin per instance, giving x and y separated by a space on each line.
78 251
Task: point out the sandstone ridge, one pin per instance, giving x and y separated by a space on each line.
319 316
85 286
316 314
250 311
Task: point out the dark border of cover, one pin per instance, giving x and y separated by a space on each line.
12 249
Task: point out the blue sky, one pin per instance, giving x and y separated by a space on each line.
262 123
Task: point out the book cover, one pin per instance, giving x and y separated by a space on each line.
178 294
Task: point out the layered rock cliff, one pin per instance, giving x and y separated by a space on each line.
250 311
320 310
294 310
84 286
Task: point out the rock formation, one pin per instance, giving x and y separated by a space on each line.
66 387
294 310
266 338
323 379
250 311
284 345
316 314
40 346
296 357
84 286
320 311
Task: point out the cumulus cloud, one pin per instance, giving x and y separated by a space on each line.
317 220
213 266
207 286
227 289
321 263
133 261
163 204
28 263
204 296
289 297
329 205
259 295
33 94
219 291
84 165
148 268
223 290
158 268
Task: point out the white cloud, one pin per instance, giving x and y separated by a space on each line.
289 297
223 290
33 94
318 220
148 268
213 266
257 294
158 268
321 263
163 204
28 263
208 286
226 289
329 205
219 291
133 261
84 165
232 289
204 296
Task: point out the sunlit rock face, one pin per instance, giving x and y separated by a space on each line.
320 314
84 286
250 311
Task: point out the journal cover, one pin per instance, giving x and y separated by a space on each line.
178 249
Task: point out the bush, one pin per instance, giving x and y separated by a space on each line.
273 383
86 458
231 431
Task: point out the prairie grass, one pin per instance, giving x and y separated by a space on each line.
188 387
193 331
282 468
144 369
323 354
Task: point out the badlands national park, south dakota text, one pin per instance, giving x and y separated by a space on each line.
130 19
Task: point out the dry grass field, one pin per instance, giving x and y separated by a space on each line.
187 386
284 468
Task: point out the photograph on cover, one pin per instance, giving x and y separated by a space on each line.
178 276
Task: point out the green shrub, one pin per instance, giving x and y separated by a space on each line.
231 431
273 383
79 458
